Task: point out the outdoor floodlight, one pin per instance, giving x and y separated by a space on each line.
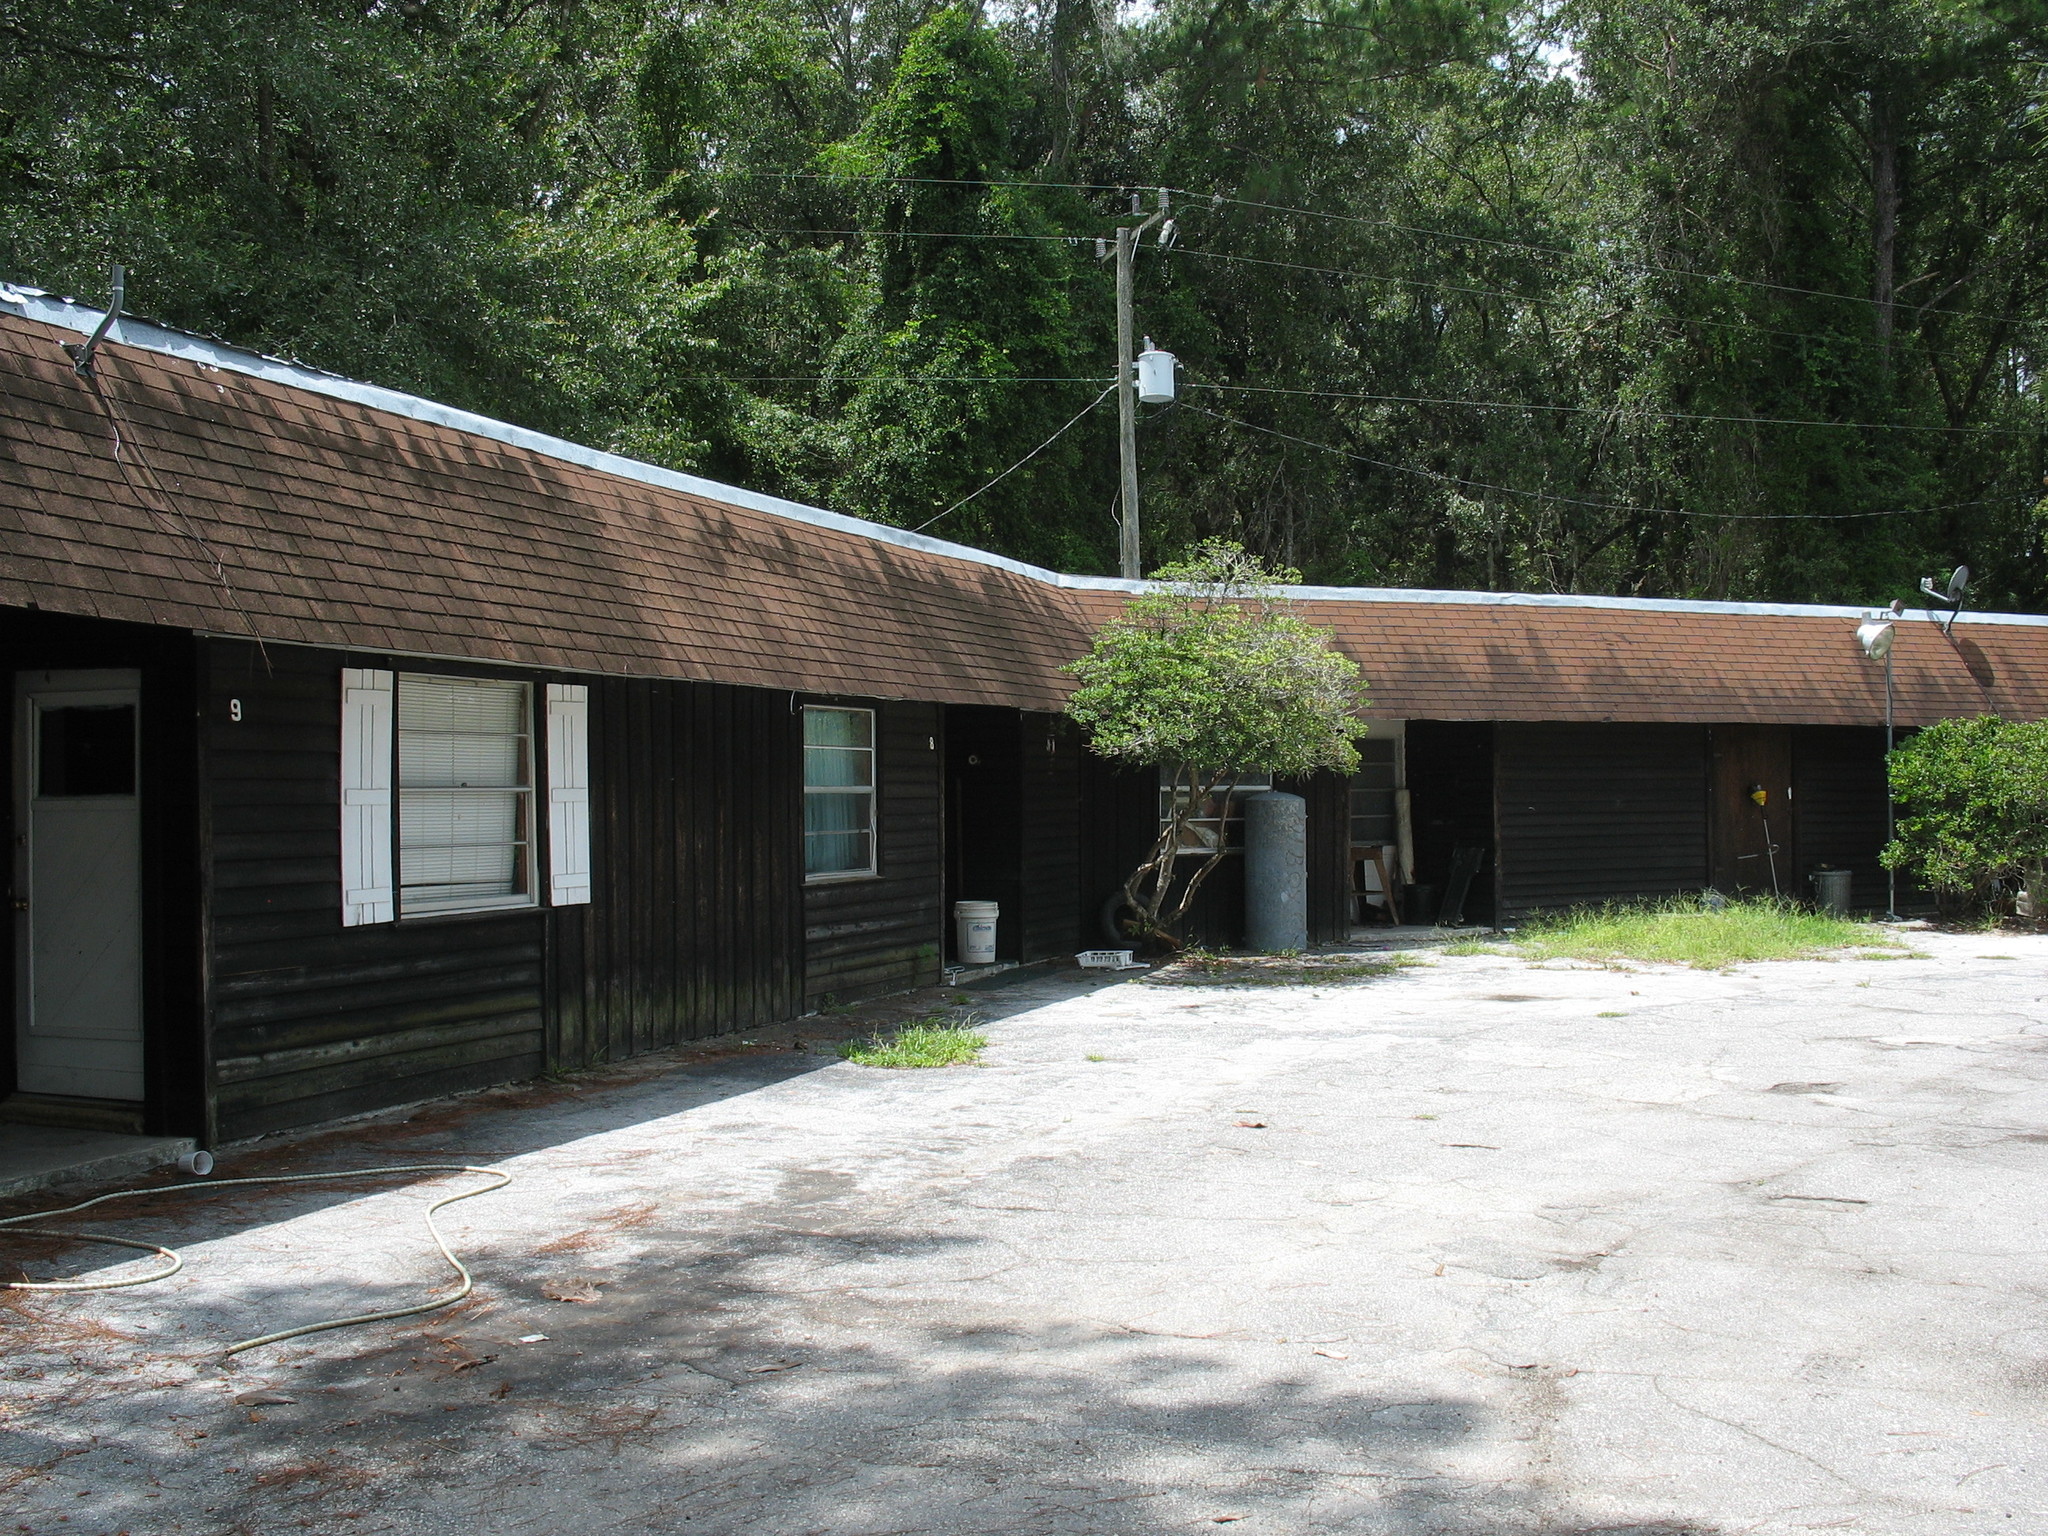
1875 636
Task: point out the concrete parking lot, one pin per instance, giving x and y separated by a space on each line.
1478 1247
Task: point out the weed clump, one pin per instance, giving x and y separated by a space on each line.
1207 968
1707 938
932 1042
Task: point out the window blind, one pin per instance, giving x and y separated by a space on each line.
465 792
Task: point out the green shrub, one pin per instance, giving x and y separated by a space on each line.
1973 803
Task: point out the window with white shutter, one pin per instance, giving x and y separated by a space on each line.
366 740
568 794
465 794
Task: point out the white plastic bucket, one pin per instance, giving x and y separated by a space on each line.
974 923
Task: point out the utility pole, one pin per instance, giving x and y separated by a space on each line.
1127 237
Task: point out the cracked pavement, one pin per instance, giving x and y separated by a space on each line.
1481 1247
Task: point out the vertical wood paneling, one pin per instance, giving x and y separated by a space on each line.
696 928
1329 838
1050 758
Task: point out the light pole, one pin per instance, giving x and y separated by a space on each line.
1875 634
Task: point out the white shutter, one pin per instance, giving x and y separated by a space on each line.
367 715
569 793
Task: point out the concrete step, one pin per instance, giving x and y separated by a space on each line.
34 1157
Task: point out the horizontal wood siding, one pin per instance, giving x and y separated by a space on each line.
695 924
311 1020
1051 759
1593 813
870 936
1838 806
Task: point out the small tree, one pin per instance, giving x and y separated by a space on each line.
1211 677
1973 796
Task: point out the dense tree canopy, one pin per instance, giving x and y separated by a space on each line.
1736 298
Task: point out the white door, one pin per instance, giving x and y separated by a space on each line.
78 885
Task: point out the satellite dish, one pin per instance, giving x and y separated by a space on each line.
1958 585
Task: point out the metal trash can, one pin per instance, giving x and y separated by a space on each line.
1831 891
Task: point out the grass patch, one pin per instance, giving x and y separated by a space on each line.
1472 947
1206 968
1706 938
929 1042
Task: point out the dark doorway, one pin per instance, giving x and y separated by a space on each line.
1450 787
1754 851
985 821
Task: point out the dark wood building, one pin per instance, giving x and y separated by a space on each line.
364 750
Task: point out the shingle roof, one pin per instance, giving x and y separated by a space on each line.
351 524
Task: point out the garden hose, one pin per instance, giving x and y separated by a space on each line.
174 1263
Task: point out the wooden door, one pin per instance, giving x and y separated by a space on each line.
1753 851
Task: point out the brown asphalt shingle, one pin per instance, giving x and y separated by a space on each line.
341 524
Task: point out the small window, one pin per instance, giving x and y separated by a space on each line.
85 750
839 793
1209 831
465 794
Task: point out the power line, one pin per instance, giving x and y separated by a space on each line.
882 378
1217 199
1034 453
1578 501
1497 293
1595 410
1467 289
1571 255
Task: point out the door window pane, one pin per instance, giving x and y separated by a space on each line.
85 750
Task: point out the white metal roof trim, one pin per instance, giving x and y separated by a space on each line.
34 304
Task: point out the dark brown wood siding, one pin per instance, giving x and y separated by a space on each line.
1051 759
694 926
1329 848
1838 807
312 1020
1595 813
864 937
1450 782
